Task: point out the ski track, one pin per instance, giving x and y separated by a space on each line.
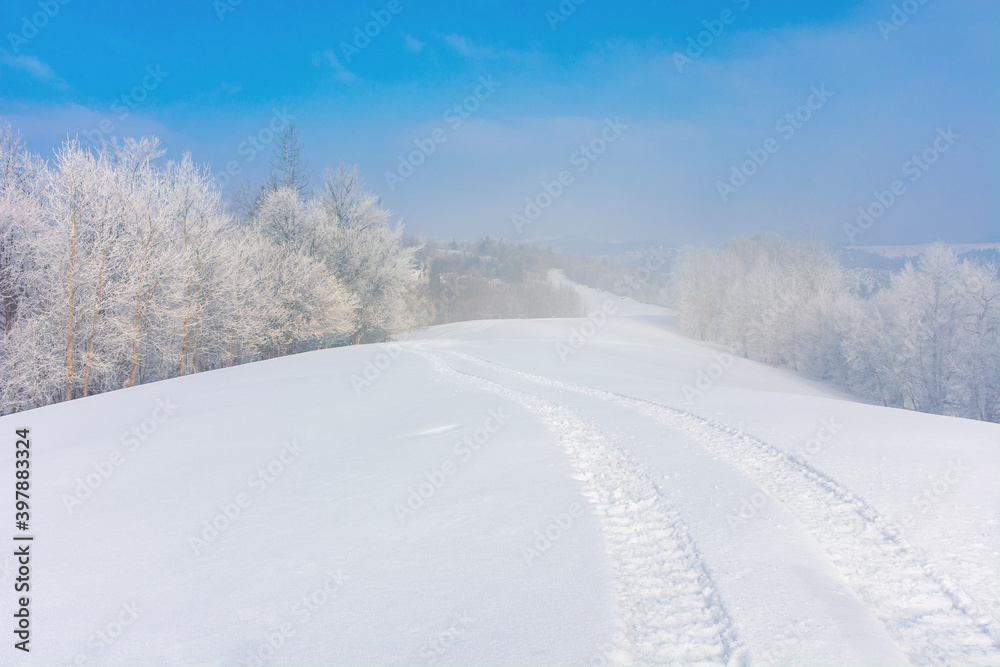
930 617
671 610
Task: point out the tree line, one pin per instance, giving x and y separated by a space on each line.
117 269
493 279
926 337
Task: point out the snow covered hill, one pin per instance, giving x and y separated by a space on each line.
590 491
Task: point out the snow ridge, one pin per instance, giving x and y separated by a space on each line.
671 609
931 619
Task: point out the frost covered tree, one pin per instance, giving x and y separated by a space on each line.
346 230
368 256
929 342
926 341
699 283
762 295
19 205
116 270
315 306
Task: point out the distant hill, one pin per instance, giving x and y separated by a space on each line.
895 257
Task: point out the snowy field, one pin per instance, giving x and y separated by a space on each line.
533 492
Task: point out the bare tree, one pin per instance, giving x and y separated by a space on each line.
290 169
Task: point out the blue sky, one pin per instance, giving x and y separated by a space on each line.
205 76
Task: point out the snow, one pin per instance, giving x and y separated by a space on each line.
581 507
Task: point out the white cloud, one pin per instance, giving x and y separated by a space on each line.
464 47
33 66
343 74
413 45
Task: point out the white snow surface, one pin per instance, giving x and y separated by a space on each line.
539 492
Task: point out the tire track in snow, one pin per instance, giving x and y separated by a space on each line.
930 618
667 600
